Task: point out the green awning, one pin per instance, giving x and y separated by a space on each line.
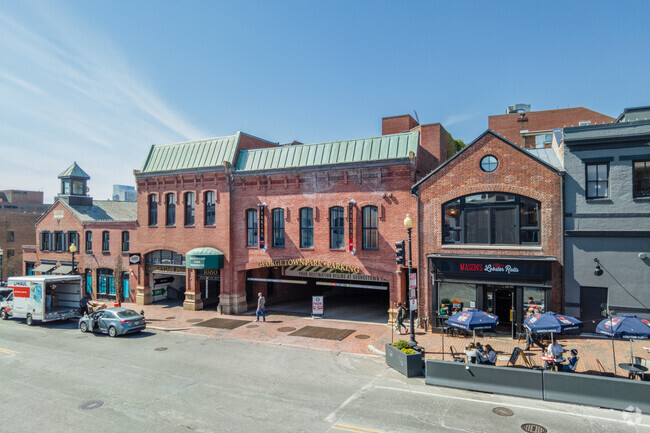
204 258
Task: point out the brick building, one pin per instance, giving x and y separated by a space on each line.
19 211
534 129
223 219
490 224
100 230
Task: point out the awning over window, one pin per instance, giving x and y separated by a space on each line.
63 270
204 258
44 268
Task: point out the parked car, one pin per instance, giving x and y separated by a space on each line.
113 321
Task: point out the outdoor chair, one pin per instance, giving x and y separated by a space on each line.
603 372
643 362
455 355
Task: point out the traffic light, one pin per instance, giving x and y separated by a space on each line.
400 257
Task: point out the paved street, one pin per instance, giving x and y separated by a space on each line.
56 379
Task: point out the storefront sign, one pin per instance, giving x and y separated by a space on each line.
174 270
350 227
208 272
317 305
261 226
326 273
135 259
493 270
305 262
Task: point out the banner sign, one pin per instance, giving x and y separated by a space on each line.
307 262
261 226
317 305
350 227
412 280
413 305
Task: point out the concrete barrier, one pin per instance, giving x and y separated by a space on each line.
520 382
609 392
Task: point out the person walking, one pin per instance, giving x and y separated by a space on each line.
401 314
261 301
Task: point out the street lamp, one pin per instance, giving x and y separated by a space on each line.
408 225
73 249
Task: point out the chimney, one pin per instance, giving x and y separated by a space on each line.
397 124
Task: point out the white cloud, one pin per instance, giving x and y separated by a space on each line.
68 94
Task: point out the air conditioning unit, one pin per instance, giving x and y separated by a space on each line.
517 108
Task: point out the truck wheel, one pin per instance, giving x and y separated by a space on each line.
29 320
112 332
3 314
83 327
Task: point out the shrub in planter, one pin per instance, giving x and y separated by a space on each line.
404 359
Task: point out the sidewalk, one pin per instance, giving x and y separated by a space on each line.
368 339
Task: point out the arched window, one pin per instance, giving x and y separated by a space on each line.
170 205
370 223
492 218
337 228
251 227
278 228
209 205
306 227
153 209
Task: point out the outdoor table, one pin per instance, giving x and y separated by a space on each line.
634 369
556 362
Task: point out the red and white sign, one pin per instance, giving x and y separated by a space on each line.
412 281
413 304
20 292
317 305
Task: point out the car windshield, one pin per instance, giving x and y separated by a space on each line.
127 314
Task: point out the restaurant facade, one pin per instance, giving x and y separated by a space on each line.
491 233
223 219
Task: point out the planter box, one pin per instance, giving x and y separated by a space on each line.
408 365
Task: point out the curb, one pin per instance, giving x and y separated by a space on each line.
158 328
376 351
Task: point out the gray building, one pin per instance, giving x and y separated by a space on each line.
607 217
124 193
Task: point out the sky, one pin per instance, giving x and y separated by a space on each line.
98 82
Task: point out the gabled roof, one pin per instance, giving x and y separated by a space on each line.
74 171
414 188
104 211
363 150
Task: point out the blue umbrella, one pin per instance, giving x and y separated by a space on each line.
625 327
551 323
473 319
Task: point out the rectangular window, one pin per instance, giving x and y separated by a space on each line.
10 254
278 228
306 227
209 208
477 226
11 237
105 241
153 210
505 220
337 228
89 241
170 205
598 180
59 241
73 238
125 242
370 222
641 179
189 208
45 241
251 227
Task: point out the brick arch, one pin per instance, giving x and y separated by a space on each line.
524 192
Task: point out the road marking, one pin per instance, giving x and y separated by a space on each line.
8 351
534 409
332 416
355 429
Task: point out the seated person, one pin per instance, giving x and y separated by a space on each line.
555 350
479 347
444 310
491 358
473 355
571 366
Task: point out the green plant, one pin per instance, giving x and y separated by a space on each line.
445 301
408 351
401 344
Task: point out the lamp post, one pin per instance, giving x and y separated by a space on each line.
408 225
73 249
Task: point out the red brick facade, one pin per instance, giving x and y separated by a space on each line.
517 173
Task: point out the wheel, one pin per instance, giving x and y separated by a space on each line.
83 326
29 320
3 314
112 332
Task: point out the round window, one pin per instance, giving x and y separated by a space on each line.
489 163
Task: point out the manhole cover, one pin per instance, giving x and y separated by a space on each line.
362 336
170 318
194 320
503 411
533 428
92 404
253 326
286 329
160 349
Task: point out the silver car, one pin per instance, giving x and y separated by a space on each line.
113 321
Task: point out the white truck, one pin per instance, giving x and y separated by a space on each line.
42 297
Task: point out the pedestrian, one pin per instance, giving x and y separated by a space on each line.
261 301
401 314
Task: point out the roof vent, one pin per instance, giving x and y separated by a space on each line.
525 108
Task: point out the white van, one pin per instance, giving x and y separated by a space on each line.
43 297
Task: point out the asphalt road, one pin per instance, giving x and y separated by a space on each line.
53 378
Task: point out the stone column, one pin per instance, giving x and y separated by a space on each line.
233 299
143 291
192 291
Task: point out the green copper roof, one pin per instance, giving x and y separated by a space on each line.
211 152
74 171
385 147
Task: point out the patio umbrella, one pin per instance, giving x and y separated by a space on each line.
551 323
625 327
471 320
